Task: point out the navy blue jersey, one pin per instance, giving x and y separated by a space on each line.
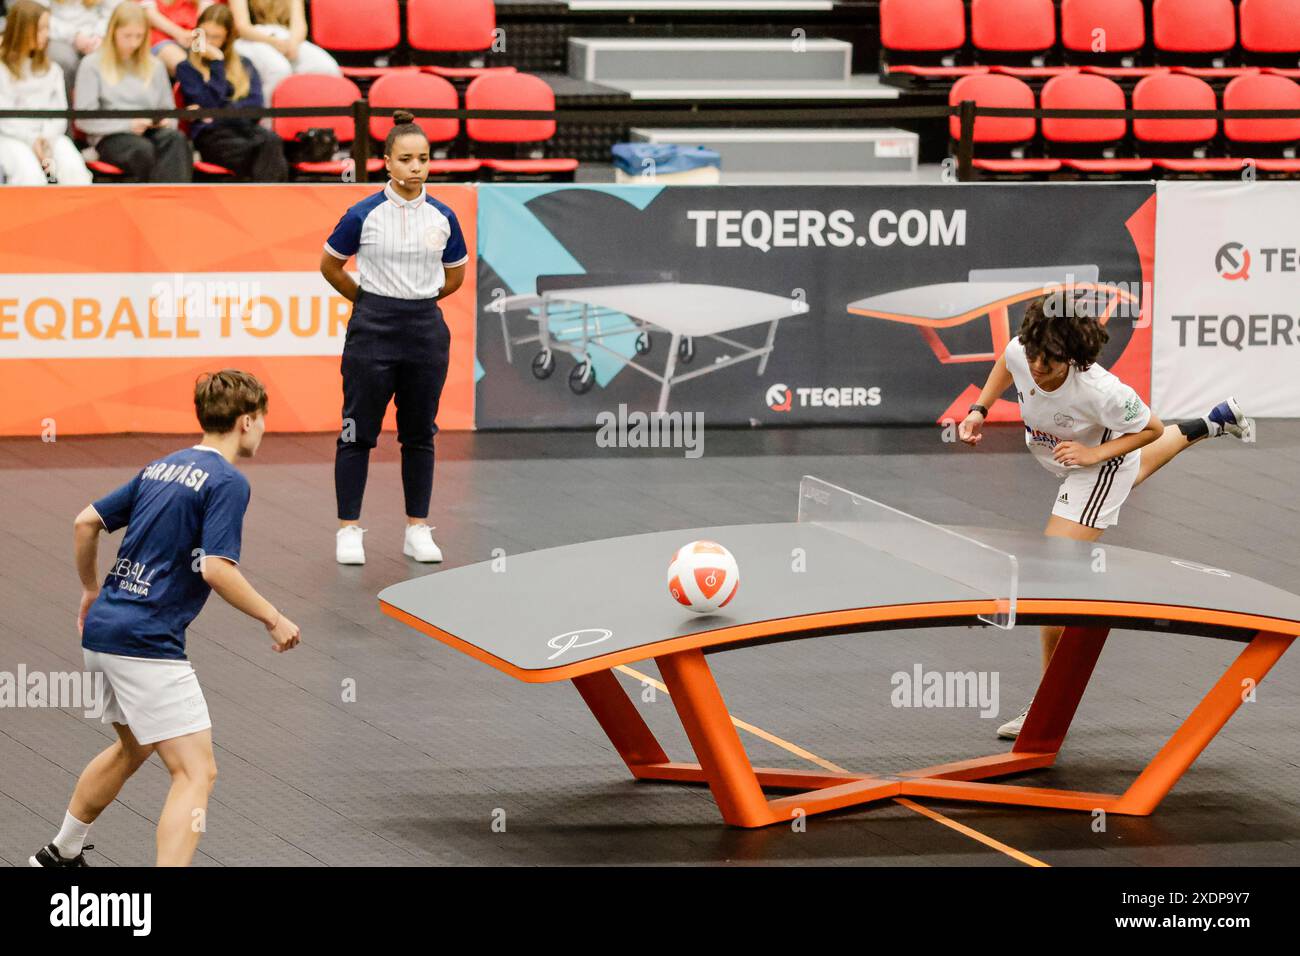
176 510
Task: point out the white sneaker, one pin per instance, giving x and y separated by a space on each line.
1011 729
419 544
347 545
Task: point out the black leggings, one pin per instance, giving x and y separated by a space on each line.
159 155
395 349
249 150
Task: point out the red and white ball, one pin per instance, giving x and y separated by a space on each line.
703 576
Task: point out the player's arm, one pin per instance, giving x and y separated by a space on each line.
1120 410
1123 444
1073 453
455 275
85 538
998 382
224 577
332 268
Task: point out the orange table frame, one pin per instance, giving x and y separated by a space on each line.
738 787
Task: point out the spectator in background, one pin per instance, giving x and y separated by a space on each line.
214 75
34 151
173 23
273 34
76 29
122 75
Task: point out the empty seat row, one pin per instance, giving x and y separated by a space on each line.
1105 146
928 38
433 26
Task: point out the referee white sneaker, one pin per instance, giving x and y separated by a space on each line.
419 544
347 545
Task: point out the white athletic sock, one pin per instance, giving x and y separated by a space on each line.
72 837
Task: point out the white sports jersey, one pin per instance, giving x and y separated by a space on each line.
403 246
1090 407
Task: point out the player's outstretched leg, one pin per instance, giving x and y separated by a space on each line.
1226 418
97 787
193 767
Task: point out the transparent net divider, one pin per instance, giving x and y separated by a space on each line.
992 573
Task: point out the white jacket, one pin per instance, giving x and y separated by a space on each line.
33 91
70 17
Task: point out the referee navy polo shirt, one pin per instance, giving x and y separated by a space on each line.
402 246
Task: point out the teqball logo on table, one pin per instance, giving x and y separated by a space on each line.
584 637
1232 261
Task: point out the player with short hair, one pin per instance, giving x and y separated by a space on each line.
1084 425
183 515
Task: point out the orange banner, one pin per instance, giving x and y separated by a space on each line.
95 334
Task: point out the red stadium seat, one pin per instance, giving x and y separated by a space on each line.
454 26
1212 164
1125 72
1013 26
921 38
1194 26
940 72
994 90
514 91
1003 91
101 168
1121 22
1262 92
308 89
1270 26
1216 72
1035 72
1017 166
1086 91
931 26
1278 165
356 25
1117 166
419 91
1081 91
1173 91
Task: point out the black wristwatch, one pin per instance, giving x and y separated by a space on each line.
977 407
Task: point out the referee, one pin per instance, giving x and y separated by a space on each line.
410 253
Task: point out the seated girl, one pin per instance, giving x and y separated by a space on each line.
215 76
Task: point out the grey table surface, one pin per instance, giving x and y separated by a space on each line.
526 610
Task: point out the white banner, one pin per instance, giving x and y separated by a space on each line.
150 315
1227 302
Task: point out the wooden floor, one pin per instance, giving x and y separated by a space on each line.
435 747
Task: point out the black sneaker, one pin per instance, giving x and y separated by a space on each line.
48 855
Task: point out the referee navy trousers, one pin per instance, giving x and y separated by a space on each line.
394 349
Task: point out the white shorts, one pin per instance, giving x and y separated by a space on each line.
1093 496
157 699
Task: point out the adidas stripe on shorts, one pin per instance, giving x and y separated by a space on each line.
1093 496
